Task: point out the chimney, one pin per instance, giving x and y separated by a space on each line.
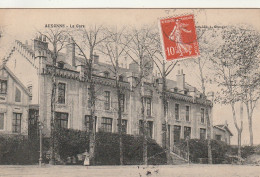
226 124
39 44
70 53
96 58
210 96
180 80
80 68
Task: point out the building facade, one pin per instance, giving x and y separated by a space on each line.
222 133
32 65
14 104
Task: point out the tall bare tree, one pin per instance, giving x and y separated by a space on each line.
87 41
114 47
226 69
57 38
137 49
247 46
207 38
164 68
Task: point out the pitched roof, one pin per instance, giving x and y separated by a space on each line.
224 128
3 66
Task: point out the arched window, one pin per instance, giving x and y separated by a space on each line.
17 95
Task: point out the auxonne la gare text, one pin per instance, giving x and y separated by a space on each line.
64 26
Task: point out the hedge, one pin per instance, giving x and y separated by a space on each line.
199 150
72 142
18 149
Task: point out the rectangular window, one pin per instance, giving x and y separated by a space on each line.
122 102
2 121
107 100
17 117
124 126
61 93
106 124
149 106
166 109
218 137
17 95
187 113
177 133
149 128
3 86
141 127
187 132
177 115
202 115
202 133
89 99
61 119
87 123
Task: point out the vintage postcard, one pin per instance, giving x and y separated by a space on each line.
129 92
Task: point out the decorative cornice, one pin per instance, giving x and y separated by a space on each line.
75 75
25 52
188 98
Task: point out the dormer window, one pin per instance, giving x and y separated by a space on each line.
175 90
61 64
185 92
106 74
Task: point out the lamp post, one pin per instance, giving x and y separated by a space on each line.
187 139
40 129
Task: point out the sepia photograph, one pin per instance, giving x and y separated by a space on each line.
151 92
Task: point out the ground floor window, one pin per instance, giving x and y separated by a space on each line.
187 132
149 128
177 133
218 137
124 126
202 133
17 117
61 119
87 123
106 124
2 121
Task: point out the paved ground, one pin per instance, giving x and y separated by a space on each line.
133 171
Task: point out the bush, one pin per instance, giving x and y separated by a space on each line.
17 149
72 142
245 151
199 150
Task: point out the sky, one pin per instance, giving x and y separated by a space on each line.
22 24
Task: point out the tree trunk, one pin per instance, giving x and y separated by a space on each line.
144 125
119 121
92 131
165 114
250 125
239 136
209 137
250 130
53 104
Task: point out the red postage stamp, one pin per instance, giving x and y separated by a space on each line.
179 37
